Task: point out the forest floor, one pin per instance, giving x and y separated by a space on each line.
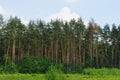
68 77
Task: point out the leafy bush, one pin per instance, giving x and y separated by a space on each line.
26 65
1 68
38 64
54 74
10 67
67 68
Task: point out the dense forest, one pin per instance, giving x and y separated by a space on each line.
72 44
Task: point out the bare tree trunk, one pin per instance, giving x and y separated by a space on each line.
73 53
52 52
112 56
45 47
90 49
83 63
63 55
68 52
80 55
96 51
56 51
21 55
19 51
42 46
13 49
28 50
102 57
7 56
97 57
68 49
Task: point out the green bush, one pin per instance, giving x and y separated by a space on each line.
38 64
1 68
26 65
67 68
10 67
54 74
7 66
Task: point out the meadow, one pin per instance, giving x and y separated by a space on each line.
42 77
87 74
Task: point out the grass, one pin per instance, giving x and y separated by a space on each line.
101 72
42 77
22 77
87 77
88 74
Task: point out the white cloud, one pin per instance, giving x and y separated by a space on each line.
1 10
71 1
65 14
24 21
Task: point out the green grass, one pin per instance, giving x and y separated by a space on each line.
87 77
68 77
88 74
22 77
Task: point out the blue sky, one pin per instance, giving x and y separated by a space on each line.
102 11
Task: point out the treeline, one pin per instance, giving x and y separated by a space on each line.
72 44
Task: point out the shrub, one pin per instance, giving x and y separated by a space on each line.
26 65
1 68
66 68
54 74
10 67
38 64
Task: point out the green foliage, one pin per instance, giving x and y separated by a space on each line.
66 68
71 68
54 74
101 72
38 64
1 68
10 67
26 65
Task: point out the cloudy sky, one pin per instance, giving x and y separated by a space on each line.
102 11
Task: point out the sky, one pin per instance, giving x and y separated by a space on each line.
102 11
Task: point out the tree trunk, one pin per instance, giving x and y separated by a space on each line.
52 52
68 49
96 51
42 46
83 63
56 51
63 55
113 56
90 51
19 51
7 56
13 49
80 56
